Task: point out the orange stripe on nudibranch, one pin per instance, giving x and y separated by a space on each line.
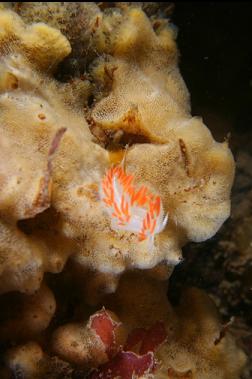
133 209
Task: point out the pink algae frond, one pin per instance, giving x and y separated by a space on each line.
132 209
137 359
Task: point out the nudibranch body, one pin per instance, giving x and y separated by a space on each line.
132 209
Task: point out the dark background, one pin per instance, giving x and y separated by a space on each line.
215 43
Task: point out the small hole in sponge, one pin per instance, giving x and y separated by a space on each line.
38 223
14 85
126 139
41 116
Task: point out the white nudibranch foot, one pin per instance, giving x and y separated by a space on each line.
134 210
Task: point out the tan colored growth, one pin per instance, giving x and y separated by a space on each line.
44 46
148 95
49 191
81 344
51 210
26 316
197 345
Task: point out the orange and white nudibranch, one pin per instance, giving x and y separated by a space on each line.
132 209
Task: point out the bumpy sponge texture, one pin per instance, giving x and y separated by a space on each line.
50 203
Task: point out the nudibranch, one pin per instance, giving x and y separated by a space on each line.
132 209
